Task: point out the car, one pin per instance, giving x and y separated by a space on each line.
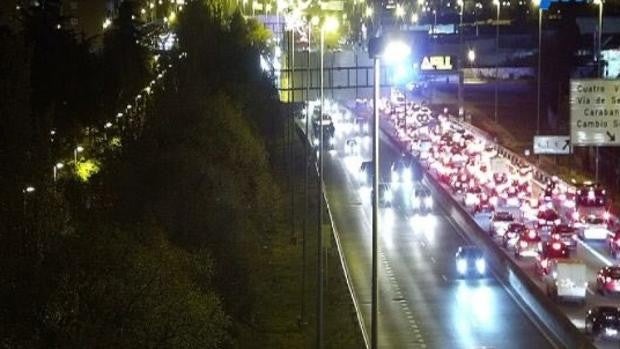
528 243
351 147
614 245
361 125
608 280
470 261
603 321
546 219
510 237
366 173
593 227
422 200
566 234
485 204
385 195
552 249
500 222
401 171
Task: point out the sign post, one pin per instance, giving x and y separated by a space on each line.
552 145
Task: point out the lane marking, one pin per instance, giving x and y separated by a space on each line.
595 253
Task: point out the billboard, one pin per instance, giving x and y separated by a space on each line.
595 112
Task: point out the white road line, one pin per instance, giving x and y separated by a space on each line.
596 254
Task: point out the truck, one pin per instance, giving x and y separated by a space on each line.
567 280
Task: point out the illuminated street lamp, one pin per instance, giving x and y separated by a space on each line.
106 23
400 11
77 150
393 52
58 166
471 56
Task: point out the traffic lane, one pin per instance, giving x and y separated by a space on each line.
463 313
353 224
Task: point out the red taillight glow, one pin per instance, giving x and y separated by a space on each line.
523 244
608 279
531 234
556 245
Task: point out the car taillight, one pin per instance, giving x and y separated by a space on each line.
608 279
544 263
556 245
523 244
531 234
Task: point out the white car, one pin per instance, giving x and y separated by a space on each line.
593 228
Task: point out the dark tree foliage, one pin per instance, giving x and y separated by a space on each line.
124 59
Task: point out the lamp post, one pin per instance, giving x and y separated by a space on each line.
599 64
393 52
329 25
497 5
538 75
77 150
460 66
57 166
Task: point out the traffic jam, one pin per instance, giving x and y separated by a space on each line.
539 225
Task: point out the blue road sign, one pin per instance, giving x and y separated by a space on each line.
545 4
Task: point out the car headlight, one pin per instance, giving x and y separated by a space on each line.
481 265
394 176
415 202
406 174
461 266
387 195
428 201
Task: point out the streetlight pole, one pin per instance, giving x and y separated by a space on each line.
374 326
539 75
319 323
599 57
460 65
302 311
497 4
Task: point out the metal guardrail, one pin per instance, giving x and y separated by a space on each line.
539 176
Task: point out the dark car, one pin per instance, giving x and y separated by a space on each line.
552 249
511 236
422 200
366 173
608 280
565 233
385 195
470 261
603 322
527 243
